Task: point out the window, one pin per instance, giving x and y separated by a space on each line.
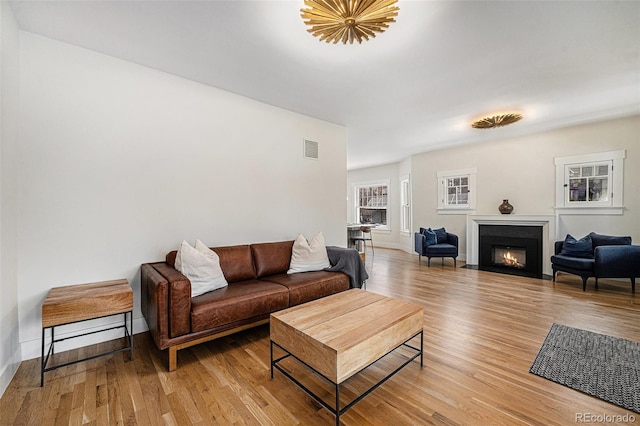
405 206
371 203
456 190
590 183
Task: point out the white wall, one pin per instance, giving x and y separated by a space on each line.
120 162
521 170
10 355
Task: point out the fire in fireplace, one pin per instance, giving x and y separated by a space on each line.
509 257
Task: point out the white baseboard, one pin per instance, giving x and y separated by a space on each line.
32 348
10 370
395 246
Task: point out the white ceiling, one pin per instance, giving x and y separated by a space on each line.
412 89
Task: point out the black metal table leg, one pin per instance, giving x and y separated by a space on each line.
337 404
42 361
271 350
421 347
130 332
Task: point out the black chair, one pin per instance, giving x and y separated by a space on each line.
444 244
366 236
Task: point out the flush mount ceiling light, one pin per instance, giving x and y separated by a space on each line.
497 120
348 20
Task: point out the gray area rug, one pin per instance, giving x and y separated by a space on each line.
602 366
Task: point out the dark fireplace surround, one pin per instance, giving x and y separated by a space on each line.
523 242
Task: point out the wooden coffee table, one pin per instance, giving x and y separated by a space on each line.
342 334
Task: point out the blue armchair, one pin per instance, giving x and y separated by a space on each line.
435 243
599 256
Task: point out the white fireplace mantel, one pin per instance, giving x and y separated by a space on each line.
547 222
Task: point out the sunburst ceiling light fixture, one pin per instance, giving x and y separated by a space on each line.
348 20
497 120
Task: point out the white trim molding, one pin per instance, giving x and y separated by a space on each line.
615 206
442 176
547 222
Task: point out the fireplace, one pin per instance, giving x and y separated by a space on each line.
511 249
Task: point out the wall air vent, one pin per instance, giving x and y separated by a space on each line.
310 149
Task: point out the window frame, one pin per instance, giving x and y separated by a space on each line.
356 206
615 185
443 206
405 205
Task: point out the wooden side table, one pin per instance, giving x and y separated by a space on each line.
82 302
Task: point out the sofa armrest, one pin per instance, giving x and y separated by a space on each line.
617 261
154 290
419 243
557 247
452 239
178 310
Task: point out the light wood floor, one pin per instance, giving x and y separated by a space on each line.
482 332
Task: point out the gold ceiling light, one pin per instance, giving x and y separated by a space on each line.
348 20
497 120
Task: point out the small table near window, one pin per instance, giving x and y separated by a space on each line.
355 230
82 302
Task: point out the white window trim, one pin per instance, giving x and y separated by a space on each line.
354 190
617 184
447 209
406 230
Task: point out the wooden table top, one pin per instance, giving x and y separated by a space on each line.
339 335
86 301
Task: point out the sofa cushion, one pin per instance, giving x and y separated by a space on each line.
430 237
577 263
577 248
271 258
308 256
311 285
444 250
237 302
201 266
608 240
236 262
441 234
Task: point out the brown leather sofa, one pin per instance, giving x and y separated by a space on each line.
258 285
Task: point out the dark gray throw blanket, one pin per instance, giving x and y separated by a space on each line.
348 261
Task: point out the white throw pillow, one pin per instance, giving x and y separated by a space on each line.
307 256
201 266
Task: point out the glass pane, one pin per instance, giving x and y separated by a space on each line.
602 170
463 198
451 190
577 190
456 181
373 216
464 181
451 199
464 189
595 189
604 182
598 189
574 172
587 171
